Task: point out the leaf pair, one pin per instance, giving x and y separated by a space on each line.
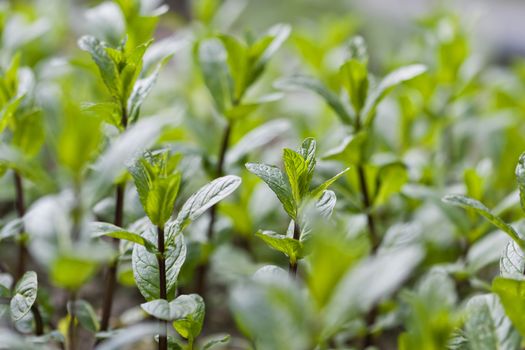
289 246
186 312
144 257
157 184
195 206
293 188
230 67
120 69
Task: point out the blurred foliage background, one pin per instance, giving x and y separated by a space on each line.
457 128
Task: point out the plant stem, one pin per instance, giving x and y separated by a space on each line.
71 332
111 275
163 336
39 324
124 115
374 238
219 171
23 253
20 209
292 267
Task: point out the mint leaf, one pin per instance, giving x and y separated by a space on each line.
24 295
277 182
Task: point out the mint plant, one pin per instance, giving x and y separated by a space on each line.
358 110
294 192
159 250
128 83
230 68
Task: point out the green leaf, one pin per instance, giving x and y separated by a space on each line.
108 69
99 229
163 310
206 197
326 203
391 178
189 326
186 310
29 135
512 296
132 69
512 262
79 139
277 182
7 112
520 177
308 151
318 191
481 209
72 272
354 78
473 182
238 64
487 327
304 82
85 315
296 169
386 85
110 112
141 90
24 296
157 185
146 268
213 62
286 245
